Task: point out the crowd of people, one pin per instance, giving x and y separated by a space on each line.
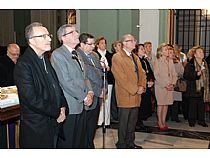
61 96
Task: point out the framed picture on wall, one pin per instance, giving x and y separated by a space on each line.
71 16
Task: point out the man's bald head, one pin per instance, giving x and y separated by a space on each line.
13 51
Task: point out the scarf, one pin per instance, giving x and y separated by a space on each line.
203 82
104 62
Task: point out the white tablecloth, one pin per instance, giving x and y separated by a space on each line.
11 100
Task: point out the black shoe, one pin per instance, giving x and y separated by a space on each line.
98 126
118 146
202 124
142 128
135 147
114 121
191 124
176 120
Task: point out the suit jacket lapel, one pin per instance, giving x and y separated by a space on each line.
68 55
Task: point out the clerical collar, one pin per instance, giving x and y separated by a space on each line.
41 57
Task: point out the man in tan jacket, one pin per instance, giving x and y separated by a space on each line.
130 83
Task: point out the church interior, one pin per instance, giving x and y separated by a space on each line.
184 27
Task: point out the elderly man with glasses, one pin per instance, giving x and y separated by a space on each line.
43 105
77 89
130 83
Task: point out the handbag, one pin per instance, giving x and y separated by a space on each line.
181 85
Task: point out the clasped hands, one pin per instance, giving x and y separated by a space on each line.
170 87
199 73
150 84
62 115
89 99
141 90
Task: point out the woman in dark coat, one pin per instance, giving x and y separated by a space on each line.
197 75
145 109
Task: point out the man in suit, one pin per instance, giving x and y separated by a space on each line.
94 74
7 65
43 105
130 83
71 73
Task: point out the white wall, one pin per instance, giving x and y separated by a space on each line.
149 27
78 19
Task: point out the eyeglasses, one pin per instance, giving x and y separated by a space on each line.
141 49
43 36
90 44
70 32
134 41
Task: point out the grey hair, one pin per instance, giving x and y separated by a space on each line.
29 29
125 36
62 30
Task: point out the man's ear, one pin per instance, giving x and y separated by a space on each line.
82 45
31 41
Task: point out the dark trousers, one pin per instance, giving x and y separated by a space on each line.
196 110
145 109
174 110
3 135
127 123
92 120
74 129
185 106
113 106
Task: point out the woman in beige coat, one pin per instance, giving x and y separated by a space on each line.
166 78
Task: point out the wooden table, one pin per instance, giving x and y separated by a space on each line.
9 112
9 119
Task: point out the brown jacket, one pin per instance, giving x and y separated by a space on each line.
126 81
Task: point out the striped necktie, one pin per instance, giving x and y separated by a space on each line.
77 59
90 58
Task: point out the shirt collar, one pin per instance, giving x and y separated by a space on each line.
128 53
69 48
103 53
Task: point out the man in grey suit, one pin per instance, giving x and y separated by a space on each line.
94 74
71 73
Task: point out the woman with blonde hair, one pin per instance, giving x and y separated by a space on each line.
166 78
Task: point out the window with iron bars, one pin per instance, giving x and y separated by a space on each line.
192 28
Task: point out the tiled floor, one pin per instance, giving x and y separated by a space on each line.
180 136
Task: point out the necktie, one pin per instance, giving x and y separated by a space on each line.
77 59
90 58
74 53
136 66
